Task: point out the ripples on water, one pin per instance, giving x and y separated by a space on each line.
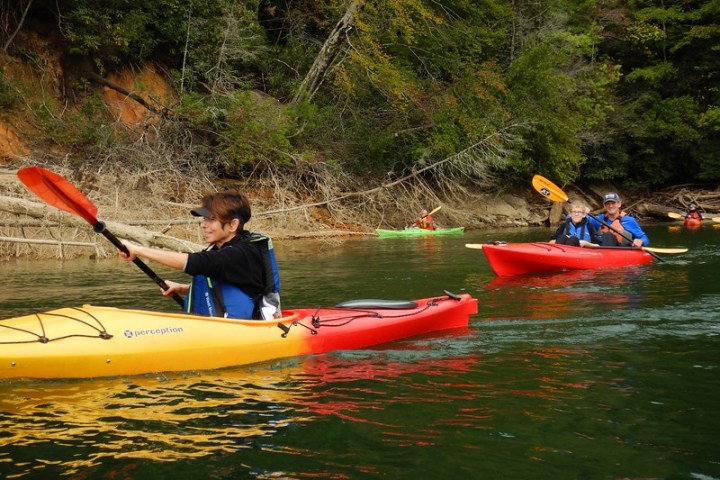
610 374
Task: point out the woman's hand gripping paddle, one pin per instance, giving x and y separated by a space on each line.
549 190
61 194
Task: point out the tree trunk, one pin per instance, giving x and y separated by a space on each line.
654 210
328 53
143 236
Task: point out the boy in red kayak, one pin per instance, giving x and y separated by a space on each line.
576 229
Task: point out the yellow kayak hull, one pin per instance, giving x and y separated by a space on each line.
93 341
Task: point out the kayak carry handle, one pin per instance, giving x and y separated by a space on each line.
451 295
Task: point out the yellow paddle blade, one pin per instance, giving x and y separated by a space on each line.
665 250
548 189
476 246
433 211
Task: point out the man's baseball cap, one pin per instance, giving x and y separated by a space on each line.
611 197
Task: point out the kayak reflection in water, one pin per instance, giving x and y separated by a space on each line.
617 227
576 229
230 278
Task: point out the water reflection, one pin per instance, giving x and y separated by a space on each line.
77 427
595 374
161 419
564 294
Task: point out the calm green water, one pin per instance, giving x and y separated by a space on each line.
592 375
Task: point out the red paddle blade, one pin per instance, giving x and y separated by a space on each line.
58 192
548 189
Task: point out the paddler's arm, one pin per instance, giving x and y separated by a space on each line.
640 239
176 260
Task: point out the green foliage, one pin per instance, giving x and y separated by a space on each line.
199 37
653 74
619 91
8 97
88 128
560 92
420 82
246 128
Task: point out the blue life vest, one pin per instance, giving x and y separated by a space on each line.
584 231
211 297
267 306
216 299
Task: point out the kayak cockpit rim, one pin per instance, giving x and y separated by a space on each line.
292 317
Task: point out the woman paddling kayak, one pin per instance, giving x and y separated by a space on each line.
230 278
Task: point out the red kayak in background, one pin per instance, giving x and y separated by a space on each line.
519 258
691 222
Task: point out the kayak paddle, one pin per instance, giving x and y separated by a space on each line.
61 194
549 190
433 211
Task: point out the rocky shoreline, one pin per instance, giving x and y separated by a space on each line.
31 229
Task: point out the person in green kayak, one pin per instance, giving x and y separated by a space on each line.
425 221
236 276
617 227
576 229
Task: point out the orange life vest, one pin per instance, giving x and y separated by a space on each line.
616 225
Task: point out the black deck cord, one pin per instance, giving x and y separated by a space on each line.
286 329
317 322
42 338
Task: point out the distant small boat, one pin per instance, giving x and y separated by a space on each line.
418 232
689 222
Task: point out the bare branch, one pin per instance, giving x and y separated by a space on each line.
328 53
20 24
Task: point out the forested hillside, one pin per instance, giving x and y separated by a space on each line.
451 92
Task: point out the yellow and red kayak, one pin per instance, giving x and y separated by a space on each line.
92 341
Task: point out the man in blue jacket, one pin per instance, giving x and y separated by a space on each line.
617 227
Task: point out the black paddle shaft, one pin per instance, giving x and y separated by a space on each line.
622 234
99 227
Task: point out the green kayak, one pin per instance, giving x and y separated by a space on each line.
418 232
